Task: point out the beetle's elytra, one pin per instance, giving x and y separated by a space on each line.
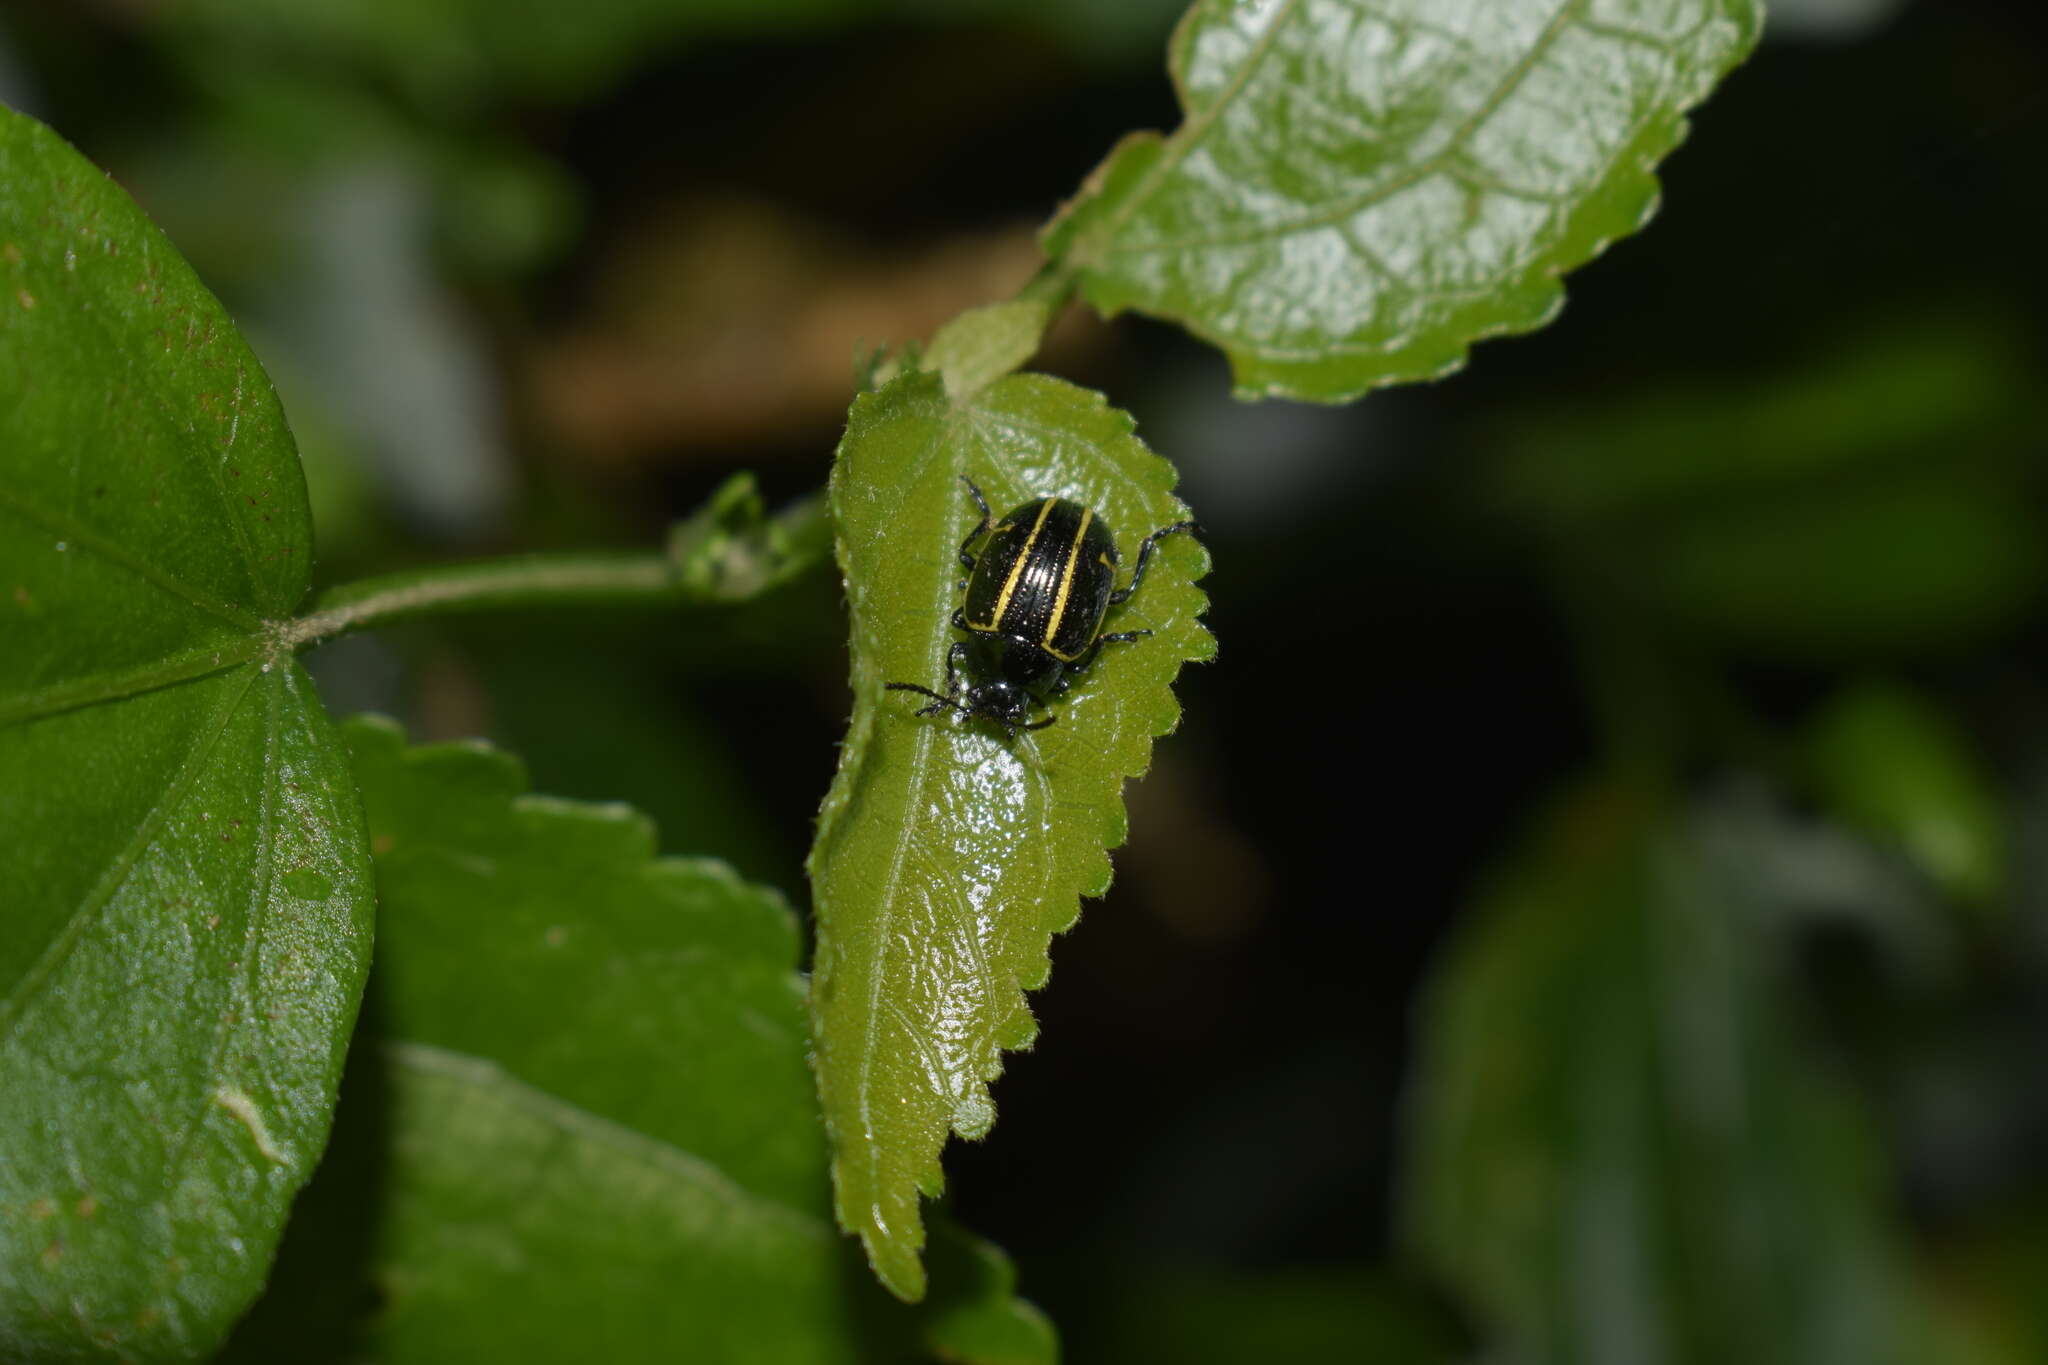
1035 601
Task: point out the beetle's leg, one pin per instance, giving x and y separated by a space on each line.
960 621
966 559
1088 659
953 657
1145 556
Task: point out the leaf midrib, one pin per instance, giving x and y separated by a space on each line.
1185 138
920 757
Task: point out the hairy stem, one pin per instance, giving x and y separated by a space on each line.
1053 286
518 581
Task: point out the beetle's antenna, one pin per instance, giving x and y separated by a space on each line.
936 697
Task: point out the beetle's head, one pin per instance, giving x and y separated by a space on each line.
1000 700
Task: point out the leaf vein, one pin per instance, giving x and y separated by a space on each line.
1568 14
76 535
168 671
38 977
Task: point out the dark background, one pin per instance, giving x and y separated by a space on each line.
527 299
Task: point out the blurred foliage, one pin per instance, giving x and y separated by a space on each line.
1622 1149
1877 500
1298 1317
1893 763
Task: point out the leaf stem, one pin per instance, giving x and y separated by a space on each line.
1053 286
516 581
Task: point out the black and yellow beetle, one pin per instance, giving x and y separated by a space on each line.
1033 613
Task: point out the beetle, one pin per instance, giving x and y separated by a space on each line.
1034 603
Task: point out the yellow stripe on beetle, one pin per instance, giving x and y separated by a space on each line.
998 673
1059 603
1017 567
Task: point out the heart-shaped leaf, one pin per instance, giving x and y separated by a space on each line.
187 915
948 856
1363 188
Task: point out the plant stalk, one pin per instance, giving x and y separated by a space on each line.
516 581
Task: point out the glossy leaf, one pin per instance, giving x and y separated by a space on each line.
187 916
595 1094
1363 188
1622 1148
947 857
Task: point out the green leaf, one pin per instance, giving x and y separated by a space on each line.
187 922
1621 1147
984 344
1889 762
595 1093
947 857
730 549
1363 188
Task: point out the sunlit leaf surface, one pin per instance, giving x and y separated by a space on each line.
184 888
1363 188
948 856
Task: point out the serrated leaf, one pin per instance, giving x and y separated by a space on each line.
187 922
946 856
1621 1148
1363 188
601 1140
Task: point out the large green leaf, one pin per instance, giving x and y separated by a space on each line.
1363 188
947 856
187 898
1622 1149
590 1133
